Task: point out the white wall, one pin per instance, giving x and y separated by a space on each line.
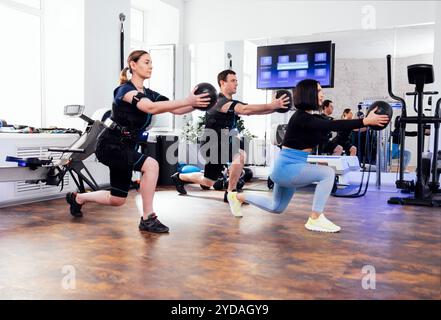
236 60
437 57
358 79
164 17
256 125
102 50
177 37
210 20
63 64
181 89
437 52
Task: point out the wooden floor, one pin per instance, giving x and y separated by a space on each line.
209 254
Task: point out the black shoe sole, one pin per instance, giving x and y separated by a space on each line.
153 231
77 215
73 212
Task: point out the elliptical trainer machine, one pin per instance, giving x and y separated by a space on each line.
423 189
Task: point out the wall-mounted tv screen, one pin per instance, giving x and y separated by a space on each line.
283 66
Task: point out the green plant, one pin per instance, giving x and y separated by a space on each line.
192 131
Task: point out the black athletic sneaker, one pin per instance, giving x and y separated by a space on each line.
179 184
152 224
75 208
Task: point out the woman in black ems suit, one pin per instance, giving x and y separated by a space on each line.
132 111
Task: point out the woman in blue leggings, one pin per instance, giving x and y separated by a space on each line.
291 171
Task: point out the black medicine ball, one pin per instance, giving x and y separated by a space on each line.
205 87
383 109
248 174
288 93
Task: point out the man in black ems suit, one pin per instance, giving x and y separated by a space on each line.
222 140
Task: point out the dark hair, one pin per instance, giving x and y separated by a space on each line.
134 56
345 112
306 95
326 103
222 76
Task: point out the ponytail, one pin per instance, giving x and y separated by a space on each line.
123 76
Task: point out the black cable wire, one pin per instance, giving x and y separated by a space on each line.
122 18
367 157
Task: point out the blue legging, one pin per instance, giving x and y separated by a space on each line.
396 154
291 172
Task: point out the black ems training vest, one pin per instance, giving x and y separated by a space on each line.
217 120
129 117
117 148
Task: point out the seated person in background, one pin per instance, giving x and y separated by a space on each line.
396 140
343 138
327 146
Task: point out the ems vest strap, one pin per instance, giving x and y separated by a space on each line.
116 127
138 98
233 105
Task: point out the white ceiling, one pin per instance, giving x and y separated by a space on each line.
147 4
363 44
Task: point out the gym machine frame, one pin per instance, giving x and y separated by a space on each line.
52 171
418 74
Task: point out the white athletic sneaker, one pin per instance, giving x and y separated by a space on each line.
321 224
235 205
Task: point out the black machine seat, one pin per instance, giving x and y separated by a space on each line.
420 74
87 142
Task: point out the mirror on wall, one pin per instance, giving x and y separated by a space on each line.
360 66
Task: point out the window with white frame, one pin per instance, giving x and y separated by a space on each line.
20 62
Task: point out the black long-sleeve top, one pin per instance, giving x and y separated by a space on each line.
305 130
343 137
327 135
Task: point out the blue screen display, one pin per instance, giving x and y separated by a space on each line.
283 66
